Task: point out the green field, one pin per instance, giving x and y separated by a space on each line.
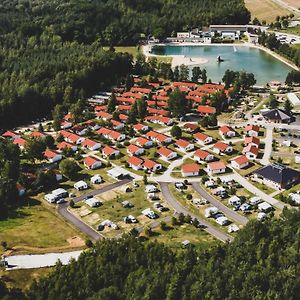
34 228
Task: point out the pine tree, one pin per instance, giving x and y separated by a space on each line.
112 103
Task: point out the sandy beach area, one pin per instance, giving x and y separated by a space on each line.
180 59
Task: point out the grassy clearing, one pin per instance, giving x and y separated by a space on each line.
15 278
133 50
33 225
265 10
292 30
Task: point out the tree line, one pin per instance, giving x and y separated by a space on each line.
261 263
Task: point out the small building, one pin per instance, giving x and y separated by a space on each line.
166 153
92 162
140 128
93 202
210 211
143 142
52 156
217 167
90 145
110 152
135 150
251 152
222 148
117 173
135 163
226 131
191 128
151 165
252 130
184 145
234 201
203 156
264 207
252 141
240 162
81 185
189 170
96 179
205 110
202 138
277 176
222 220
150 188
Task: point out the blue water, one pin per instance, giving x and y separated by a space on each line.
264 66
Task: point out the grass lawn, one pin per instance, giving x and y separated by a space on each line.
15 278
34 225
292 30
265 10
133 50
175 235
266 189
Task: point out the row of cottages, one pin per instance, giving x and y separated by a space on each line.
158 137
202 138
137 163
72 138
112 135
222 148
140 128
143 142
92 162
251 149
166 153
184 145
160 120
227 132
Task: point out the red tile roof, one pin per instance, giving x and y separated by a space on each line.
133 148
205 109
88 143
200 136
240 160
182 143
63 145
252 139
216 165
90 160
221 146
252 127
252 149
164 151
225 129
202 154
133 160
50 154
190 168
107 150
142 141
149 164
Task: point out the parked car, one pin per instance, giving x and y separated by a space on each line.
60 201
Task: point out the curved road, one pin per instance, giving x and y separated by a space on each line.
89 231
181 209
221 207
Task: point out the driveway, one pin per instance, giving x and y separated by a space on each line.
180 209
35 261
221 207
268 146
89 231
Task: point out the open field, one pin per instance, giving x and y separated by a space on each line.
265 10
292 30
34 228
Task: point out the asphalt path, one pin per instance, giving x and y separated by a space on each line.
231 214
89 231
181 209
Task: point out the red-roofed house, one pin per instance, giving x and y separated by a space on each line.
184 145
110 152
240 162
145 143
251 152
151 165
166 153
11 135
140 128
52 156
205 110
190 127
104 115
92 162
65 145
135 150
203 156
189 170
216 167
202 138
75 139
135 163
90 145
252 130
37 134
252 140
226 131
221 147
117 125
163 139
20 142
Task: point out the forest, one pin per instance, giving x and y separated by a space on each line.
52 51
261 263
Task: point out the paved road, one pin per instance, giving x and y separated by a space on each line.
180 209
268 146
34 261
89 231
223 208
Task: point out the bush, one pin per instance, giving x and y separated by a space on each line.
189 196
188 219
181 218
72 204
174 221
126 143
89 243
163 225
